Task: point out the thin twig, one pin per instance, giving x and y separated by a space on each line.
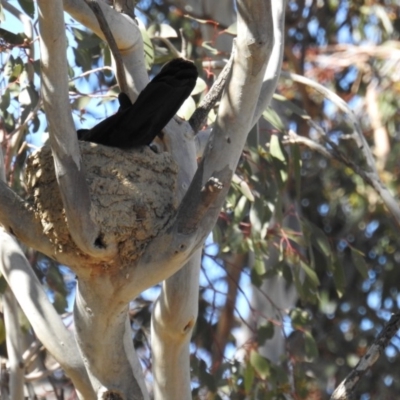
346 388
292 137
98 12
92 71
184 43
200 115
175 52
371 176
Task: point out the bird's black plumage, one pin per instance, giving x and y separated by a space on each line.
139 123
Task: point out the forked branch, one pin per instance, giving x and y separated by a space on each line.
254 45
63 139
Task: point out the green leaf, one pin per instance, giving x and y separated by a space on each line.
274 119
256 279
292 107
166 31
311 347
338 276
295 236
83 58
241 209
9 121
28 98
187 108
148 47
275 149
60 302
248 378
296 163
85 39
35 124
5 100
161 30
211 50
287 273
310 273
232 29
265 332
318 238
257 216
298 282
81 102
300 318
259 266
200 87
28 7
107 60
199 20
243 187
13 70
16 39
382 14
260 364
359 262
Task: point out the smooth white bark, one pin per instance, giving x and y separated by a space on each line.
254 44
14 347
105 340
63 139
127 35
45 321
173 320
42 316
273 70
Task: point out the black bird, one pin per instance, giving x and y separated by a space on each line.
139 123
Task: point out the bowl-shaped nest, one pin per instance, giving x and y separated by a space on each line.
132 194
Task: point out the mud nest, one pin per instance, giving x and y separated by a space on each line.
132 194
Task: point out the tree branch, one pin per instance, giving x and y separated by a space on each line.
254 45
292 137
104 333
199 117
94 5
372 176
173 319
45 321
127 36
18 219
28 31
14 347
233 264
346 388
273 70
63 139
28 291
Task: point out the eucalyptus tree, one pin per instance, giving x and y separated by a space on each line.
125 220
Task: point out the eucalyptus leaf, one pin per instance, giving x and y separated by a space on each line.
260 364
359 262
28 7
